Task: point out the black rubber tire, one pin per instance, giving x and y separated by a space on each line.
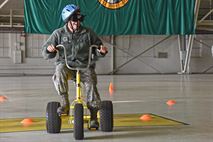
53 120
106 116
78 122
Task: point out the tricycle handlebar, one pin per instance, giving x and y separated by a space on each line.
77 68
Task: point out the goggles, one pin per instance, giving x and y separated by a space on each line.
77 17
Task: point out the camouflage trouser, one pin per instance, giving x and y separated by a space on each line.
88 78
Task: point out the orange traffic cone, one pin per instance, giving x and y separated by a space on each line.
3 99
111 89
146 117
27 122
171 102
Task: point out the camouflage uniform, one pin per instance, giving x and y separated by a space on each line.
77 45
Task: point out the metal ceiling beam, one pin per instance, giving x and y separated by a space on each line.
3 4
204 17
205 23
204 30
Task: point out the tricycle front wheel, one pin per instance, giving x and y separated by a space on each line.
78 121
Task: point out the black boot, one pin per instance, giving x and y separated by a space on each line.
94 120
65 107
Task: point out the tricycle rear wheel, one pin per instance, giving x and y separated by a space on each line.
106 116
53 120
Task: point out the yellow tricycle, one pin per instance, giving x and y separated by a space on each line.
78 109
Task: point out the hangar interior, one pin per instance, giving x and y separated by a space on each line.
129 54
146 71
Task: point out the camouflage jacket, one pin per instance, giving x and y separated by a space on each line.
77 45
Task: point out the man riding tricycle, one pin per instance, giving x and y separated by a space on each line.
76 49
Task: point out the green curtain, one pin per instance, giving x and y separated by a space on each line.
43 16
151 17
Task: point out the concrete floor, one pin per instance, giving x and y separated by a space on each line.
28 96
